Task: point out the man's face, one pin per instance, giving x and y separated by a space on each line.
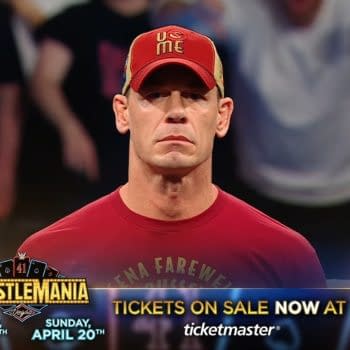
173 120
302 12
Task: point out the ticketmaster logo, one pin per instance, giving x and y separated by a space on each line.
191 329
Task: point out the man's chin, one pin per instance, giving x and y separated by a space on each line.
177 166
174 160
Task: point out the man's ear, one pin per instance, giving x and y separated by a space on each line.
120 108
226 107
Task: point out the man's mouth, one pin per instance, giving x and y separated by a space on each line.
179 138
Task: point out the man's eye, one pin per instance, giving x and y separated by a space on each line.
193 95
153 95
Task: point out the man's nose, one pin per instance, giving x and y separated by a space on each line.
175 108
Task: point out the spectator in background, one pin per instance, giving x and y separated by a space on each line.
80 66
10 89
204 17
36 12
292 64
18 19
28 16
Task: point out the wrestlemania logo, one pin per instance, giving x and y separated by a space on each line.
27 286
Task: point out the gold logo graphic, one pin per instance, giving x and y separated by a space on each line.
29 285
169 42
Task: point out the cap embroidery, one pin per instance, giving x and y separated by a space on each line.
169 42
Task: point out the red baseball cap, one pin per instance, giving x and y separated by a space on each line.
168 45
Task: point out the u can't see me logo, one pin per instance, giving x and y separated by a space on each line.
169 42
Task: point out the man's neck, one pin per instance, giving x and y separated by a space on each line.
169 197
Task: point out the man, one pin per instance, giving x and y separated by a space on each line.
169 226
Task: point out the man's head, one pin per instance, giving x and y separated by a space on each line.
173 44
302 12
172 100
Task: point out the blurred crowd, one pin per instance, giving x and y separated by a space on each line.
286 64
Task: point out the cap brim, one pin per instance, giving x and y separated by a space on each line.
145 72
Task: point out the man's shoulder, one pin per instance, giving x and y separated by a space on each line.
246 212
260 225
79 223
275 246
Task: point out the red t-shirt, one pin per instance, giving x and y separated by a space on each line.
230 244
